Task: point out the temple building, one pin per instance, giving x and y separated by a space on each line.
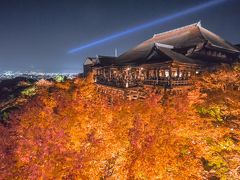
167 59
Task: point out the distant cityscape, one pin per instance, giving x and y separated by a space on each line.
34 75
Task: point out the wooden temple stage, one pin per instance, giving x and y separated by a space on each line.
168 61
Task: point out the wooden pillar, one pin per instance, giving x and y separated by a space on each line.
104 73
127 78
170 77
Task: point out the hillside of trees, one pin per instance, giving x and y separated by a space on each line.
67 130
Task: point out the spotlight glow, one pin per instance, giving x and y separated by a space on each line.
148 24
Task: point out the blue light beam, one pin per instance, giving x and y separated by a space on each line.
158 21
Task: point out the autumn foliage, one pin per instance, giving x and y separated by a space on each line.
71 131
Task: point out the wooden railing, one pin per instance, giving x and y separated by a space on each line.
112 82
161 82
180 82
166 82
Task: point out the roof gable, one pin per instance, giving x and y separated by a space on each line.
90 61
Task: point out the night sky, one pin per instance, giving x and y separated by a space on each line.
37 34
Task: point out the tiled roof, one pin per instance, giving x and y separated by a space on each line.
184 37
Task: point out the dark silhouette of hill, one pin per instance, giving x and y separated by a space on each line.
12 87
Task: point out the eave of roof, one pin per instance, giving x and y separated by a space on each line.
178 57
216 40
237 46
106 60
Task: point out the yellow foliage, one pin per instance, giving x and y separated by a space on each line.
72 132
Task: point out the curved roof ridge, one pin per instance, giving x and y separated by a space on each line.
177 29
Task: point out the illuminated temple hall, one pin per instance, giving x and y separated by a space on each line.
167 59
